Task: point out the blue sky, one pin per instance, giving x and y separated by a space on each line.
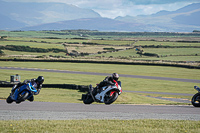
114 8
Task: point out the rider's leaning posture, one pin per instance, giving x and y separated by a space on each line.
109 80
36 83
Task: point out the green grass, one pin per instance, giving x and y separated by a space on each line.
100 126
99 35
118 54
173 72
172 58
32 44
30 54
113 42
30 34
143 43
51 42
173 51
170 54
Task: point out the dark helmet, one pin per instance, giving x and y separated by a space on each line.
40 79
115 76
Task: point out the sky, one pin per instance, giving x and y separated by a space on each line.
115 8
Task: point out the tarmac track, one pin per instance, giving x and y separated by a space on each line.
79 111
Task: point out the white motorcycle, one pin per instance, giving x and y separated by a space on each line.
107 94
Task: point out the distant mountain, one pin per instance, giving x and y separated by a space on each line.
8 24
101 24
185 19
38 13
60 16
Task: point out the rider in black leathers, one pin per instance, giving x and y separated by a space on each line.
37 83
109 80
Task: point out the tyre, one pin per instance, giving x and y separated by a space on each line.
31 99
196 100
9 100
22 97
110 99
88 99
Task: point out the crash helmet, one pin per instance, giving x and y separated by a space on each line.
115 76
40 79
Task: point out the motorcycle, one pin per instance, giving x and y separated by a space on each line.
22 93
196 98
107 94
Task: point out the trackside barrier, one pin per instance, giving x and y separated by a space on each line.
81 88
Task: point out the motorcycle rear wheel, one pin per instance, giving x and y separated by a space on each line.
88 99
196 100
110 99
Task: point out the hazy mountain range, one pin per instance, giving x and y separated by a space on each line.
60 16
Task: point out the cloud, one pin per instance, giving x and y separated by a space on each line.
114 8
149 2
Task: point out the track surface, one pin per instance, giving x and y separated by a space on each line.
103 74
67 111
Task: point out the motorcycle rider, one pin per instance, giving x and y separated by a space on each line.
109 80
36 83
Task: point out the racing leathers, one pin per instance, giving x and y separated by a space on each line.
107 81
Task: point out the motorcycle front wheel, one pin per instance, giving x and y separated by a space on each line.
110 99
22 97
196 100
9 100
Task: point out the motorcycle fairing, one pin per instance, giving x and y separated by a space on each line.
27 87
100 96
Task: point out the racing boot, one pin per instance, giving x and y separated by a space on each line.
90 88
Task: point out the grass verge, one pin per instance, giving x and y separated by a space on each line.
145 70
100 126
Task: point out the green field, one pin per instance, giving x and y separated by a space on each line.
91 45
101 126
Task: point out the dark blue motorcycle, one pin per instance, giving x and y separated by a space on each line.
22 93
